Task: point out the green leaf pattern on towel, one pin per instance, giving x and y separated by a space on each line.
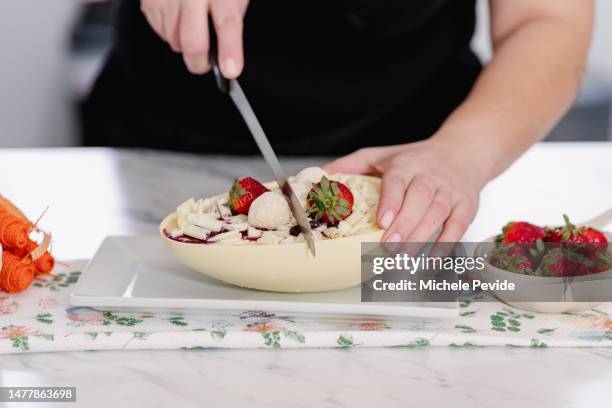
508 319
345 340
41 319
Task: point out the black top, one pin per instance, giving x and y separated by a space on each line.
324 77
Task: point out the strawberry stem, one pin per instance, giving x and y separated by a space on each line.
568 222
569 230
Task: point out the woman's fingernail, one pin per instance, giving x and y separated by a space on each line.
392 243
386 219
229 67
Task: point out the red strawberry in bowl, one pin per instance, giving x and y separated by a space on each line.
560 262
514 258
585 239
243 192
552 234
602 262
329 202
520 232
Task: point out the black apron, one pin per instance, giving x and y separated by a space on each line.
324 77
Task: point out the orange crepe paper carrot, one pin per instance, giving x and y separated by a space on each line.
22 258
11 208
43 261
14 230
17 274
45 264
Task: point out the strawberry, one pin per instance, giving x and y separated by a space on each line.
513 258
552 234
559 262
585 239
243 192
329 201
520 232
602 262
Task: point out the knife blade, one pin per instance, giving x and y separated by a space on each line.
232 87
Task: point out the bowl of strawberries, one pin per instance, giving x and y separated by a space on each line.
558 269
249 237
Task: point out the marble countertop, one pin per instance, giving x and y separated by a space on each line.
93 193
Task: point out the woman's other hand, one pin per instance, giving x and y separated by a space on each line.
425 186
183 24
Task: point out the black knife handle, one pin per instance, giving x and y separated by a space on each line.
222 82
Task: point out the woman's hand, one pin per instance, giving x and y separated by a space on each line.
425 186
183 24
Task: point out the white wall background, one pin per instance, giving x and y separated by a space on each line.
36 76
34 100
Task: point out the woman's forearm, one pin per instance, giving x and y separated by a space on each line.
533 78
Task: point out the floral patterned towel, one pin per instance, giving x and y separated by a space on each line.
42 320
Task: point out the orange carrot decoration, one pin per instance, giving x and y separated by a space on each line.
22 258
45 264
11 208
13 230
43 260
16 274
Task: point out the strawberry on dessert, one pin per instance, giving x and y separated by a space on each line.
243 192
302 182
329 201
520 232
269 211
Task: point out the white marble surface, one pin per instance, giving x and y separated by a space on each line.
96 192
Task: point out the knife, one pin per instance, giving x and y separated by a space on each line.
233 89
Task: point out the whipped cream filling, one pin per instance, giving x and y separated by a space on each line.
270 222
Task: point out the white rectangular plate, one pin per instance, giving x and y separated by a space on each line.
140 274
